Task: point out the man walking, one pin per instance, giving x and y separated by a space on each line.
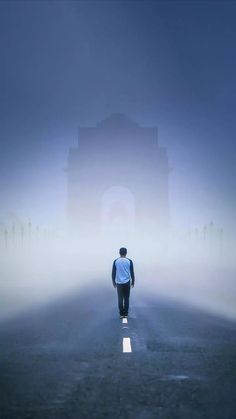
122 275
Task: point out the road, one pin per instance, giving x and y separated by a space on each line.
66 360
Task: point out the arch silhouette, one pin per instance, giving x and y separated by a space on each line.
118 179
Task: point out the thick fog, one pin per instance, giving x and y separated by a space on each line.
170 69
39 265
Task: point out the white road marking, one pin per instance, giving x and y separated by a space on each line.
124 320
127 345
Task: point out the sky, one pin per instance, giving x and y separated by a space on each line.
170 64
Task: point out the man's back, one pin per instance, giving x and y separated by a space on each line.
123 278
123 270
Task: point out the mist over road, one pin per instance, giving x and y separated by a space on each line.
66 360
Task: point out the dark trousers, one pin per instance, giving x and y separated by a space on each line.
123 291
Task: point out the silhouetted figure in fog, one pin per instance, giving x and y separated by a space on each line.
122 278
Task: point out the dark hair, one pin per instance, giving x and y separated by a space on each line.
123 251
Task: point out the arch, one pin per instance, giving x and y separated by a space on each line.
117 211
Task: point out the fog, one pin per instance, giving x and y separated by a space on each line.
197 268
117 129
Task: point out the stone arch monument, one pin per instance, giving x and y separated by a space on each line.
118 180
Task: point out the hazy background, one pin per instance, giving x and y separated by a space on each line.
66 64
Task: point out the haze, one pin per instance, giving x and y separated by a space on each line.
165 64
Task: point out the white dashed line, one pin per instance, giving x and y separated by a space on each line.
127 345
124 320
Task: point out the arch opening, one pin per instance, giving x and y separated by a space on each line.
117 212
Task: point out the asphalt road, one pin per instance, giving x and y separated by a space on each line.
66 360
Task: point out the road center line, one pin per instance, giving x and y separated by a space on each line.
124 320
127 345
